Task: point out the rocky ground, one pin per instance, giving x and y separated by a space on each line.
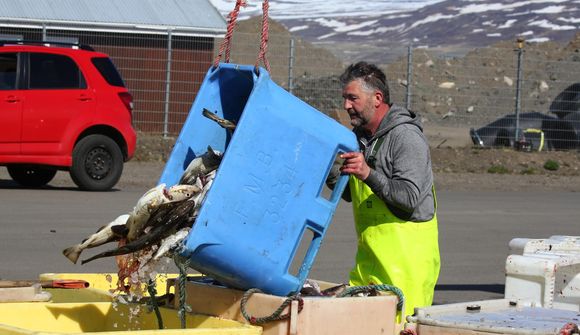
456 164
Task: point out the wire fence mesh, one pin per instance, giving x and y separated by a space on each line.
535 88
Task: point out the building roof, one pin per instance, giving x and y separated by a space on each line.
182 17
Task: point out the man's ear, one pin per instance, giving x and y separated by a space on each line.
378 98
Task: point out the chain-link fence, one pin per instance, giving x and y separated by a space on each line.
511 94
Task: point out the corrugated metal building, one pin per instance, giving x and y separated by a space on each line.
162 48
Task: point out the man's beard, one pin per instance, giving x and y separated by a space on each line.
361 118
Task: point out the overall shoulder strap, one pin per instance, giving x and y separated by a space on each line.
372 159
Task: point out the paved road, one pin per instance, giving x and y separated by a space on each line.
475 229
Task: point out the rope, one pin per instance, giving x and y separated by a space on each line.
276 316
151 288
226 43
264 39
181 281
369 288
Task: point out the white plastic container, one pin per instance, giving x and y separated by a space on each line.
556 244
546 273
490 317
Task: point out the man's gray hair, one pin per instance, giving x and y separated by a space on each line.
371 77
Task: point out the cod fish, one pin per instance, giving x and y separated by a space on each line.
170 243
201 165
167 219
104 235
226 124
199 198
151 200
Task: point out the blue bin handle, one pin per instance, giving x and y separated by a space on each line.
319 230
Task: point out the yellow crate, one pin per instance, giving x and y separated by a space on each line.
100 286
105 281
108 318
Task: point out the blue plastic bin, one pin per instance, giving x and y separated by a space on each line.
268 189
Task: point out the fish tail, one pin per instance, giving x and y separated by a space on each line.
73 253
126 249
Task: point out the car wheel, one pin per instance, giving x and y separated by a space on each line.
31 176
97 163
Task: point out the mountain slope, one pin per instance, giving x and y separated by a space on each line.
454 26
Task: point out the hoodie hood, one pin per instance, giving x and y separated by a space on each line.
396 116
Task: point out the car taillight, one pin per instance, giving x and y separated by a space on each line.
127 99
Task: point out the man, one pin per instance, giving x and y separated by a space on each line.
391 189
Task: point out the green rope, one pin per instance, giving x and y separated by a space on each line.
277 315
182 264
369 288
151 288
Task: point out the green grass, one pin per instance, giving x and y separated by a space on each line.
551 165
499 169
529 170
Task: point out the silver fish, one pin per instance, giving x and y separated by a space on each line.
104 235
166 220
151 201
201 165
170 243
226 124
199 198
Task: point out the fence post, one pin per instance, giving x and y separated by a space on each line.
520 51
409 76
291 66
167 83
43 31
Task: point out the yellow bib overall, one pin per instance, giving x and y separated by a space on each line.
392 251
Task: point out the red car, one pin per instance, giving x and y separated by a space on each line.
63 107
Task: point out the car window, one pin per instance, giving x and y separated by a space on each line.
50 71
8 66
108 71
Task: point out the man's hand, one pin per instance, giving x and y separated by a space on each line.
355 164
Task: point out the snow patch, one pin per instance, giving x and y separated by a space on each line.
330 23
549 25
298 28
550 10
526 33
569 20
507 24
538 40
431 18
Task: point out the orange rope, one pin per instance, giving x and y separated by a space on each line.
264 41
226 43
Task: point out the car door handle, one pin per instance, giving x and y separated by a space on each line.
12 99
85 98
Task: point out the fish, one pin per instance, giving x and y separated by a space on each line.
199 198
104 235
226 124
170 243
201 166
312 288
151 200
167 219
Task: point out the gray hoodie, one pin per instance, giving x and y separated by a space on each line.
402 175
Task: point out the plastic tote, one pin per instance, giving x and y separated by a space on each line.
267 194
107 318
